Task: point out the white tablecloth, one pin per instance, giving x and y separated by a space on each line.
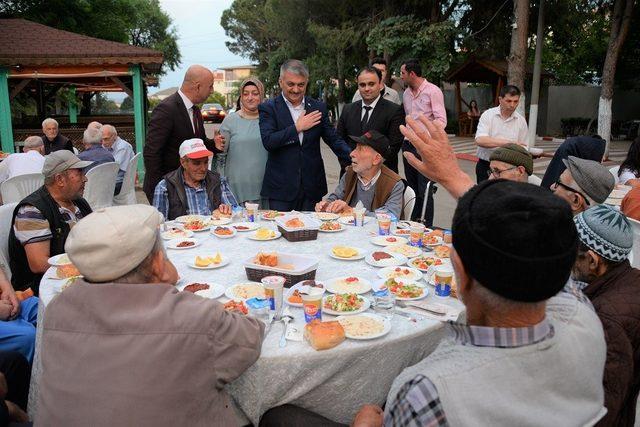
333 383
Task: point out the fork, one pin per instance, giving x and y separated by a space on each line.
405 305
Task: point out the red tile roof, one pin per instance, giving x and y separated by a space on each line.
28 43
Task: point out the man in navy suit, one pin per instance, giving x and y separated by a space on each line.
291 126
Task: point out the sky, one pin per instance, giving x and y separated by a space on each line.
201 38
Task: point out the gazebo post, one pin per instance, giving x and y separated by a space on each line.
73 105
6 130
138 113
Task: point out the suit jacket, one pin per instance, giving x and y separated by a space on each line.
169 126
386 118
290 164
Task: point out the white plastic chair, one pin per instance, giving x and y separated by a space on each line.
127 195
409 200
534 179
6 215
101 183
614 171
634 259
17 188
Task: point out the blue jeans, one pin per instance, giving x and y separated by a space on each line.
19 334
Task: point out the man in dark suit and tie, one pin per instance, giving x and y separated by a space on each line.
372 112
291 126
176 119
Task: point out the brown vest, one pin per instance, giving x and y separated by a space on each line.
384 185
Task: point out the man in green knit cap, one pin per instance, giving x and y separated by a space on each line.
512 162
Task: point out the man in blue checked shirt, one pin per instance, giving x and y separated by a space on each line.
192 189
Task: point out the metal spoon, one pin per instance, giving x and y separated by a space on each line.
285 320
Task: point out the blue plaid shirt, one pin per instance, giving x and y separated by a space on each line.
197 201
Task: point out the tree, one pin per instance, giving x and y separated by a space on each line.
620 21
216 98
517 59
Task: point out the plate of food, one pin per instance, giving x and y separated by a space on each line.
197 225
423 262
344 304
65 271
327 216
331 227
182 243
293 296
61 259
402 232
245 226
442 251
223 232
348 253
264 234
221 221
236 307
208 262
204 289
406 273
388 240
404 290
175 232
348 220
189 218
364 326
348 285
245 291
271 215
385 259
406 250
432 240
294 223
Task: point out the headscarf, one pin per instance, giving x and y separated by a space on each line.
254 81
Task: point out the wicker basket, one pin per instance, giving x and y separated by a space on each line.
298 235
308 232
256 274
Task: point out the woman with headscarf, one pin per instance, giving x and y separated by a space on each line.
246 157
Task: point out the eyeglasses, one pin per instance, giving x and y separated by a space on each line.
573 190
496 172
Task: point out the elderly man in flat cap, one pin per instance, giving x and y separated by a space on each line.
606 238
583 184
42 220
512 162
123 347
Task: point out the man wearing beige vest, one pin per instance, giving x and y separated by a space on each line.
367 180
122 347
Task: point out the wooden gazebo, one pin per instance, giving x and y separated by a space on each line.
43 60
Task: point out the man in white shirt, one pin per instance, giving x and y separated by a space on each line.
385 91
498 127
30 161
120 149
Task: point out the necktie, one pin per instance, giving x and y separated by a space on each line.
365 119
197 120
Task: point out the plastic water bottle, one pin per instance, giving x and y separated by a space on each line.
394 222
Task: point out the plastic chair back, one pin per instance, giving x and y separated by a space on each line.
127 195
614 171
634 259
20 186
6 215
409 200
534 179
101 183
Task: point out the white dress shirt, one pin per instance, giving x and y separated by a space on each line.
295 112
123 153
189 105
21 164
372 105
389 94
491 123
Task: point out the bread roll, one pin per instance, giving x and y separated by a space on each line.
324 335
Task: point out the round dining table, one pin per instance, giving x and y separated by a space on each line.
334 383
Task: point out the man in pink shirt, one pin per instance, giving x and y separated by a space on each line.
420 98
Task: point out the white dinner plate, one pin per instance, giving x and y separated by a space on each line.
224 236
289 292
390 272
388 240
231 290
361 254
412 262
173 244
378 285
439 241
336 287
265 216
327 216
61 259
365 306
221 221
342 228
396 259
192 263
169 234
406 250
186 218
386 326
253 236
251 226
348 220
215 290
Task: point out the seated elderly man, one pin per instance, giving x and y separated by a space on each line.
42 220
583 184
141 353
512 162
120 150
367 180
93 149
29 161
606 238
53 139
526 334
192 189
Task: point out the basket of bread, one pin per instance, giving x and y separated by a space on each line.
298 228
294 268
